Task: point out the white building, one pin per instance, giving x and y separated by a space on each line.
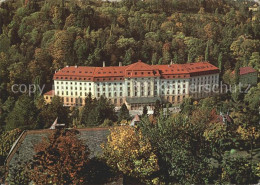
136 85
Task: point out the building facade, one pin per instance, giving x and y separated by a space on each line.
136 85
248 75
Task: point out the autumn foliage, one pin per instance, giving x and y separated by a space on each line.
60 159
130 153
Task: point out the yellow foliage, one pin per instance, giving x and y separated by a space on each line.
129 152
249 133
215 131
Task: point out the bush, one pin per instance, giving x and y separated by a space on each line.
238 171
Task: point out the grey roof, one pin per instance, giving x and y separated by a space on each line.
142 100
23 149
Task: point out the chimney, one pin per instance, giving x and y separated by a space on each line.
171 62
104 64
76 66
120 63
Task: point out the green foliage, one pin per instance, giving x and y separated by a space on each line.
107 123
157 108
96 111
237 171
123 113
38 38
23 114
252 98
7 139
179 146
4 43
50 112
145 111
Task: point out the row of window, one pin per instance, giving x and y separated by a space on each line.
71 88
109 89
110 94
173 92
66 93
75 83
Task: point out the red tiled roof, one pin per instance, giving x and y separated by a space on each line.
138 69
246 70
49 93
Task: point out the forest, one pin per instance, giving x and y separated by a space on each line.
39 37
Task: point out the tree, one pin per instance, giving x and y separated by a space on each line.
157 108
207 52
252 98
131 154
7 138
51 111
60 159
145 110
243 47
96 111
255 61
220 58
237 170
124 113
237 73
4 43
179 145
23 114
